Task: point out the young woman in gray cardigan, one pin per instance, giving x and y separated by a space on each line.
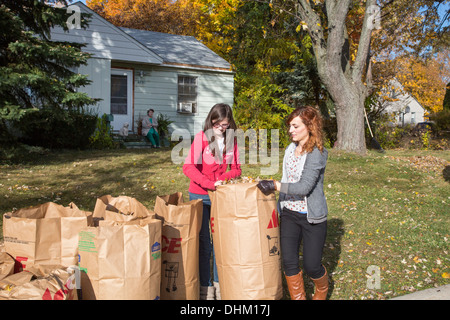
302 203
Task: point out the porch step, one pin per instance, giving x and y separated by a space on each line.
133 141
137 144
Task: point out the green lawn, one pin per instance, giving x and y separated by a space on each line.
387 212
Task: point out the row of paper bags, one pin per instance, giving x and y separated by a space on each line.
125 251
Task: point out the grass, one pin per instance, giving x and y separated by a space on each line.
387 211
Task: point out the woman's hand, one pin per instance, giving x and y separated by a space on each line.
277 185
218 183
267 186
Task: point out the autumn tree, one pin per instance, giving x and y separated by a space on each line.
425 80
325 22
344 52
412 28
257 42
217 23
179 17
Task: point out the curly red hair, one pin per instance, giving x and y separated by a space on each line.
313 121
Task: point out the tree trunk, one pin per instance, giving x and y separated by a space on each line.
350 121
344 83
349 104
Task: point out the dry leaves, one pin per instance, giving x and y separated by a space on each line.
423 163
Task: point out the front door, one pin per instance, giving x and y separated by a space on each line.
122 98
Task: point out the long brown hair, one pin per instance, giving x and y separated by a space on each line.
220 112
313 121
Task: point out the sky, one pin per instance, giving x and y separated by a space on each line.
442 10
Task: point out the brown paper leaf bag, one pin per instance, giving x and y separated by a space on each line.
121 208
40 282
120 258
6 265
44 234
246 237
179 246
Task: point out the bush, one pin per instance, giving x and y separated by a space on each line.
406 137
391 137
442 121
53 129
21 153
163 124
102 139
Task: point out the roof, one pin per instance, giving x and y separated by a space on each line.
105 40
102 39
178 50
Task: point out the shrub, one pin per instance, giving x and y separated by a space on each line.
163 124
391 137
102 138
57 129
442 121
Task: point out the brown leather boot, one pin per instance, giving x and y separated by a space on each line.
321 287
296 286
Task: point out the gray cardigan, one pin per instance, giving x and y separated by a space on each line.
146 125
310 184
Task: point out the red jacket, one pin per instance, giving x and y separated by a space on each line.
202 168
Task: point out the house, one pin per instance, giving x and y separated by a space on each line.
135 70
406 109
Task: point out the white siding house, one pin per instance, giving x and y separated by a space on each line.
135 70
405 108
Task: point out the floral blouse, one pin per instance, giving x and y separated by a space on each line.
294 172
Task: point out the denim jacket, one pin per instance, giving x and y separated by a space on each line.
309 185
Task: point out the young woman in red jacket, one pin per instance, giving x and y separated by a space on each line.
213 151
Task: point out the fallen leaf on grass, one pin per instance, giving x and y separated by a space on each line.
416 259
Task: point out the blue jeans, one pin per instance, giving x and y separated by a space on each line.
205 241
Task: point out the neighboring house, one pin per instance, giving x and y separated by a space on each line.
135 70
404 106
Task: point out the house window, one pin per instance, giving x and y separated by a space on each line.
187 94
413 117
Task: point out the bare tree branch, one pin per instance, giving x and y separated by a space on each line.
364 41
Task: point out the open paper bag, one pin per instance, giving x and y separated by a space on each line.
120 257
40 282
246 237
44 234
180 246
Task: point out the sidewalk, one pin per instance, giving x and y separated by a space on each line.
439 293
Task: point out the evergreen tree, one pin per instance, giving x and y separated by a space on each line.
35 72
